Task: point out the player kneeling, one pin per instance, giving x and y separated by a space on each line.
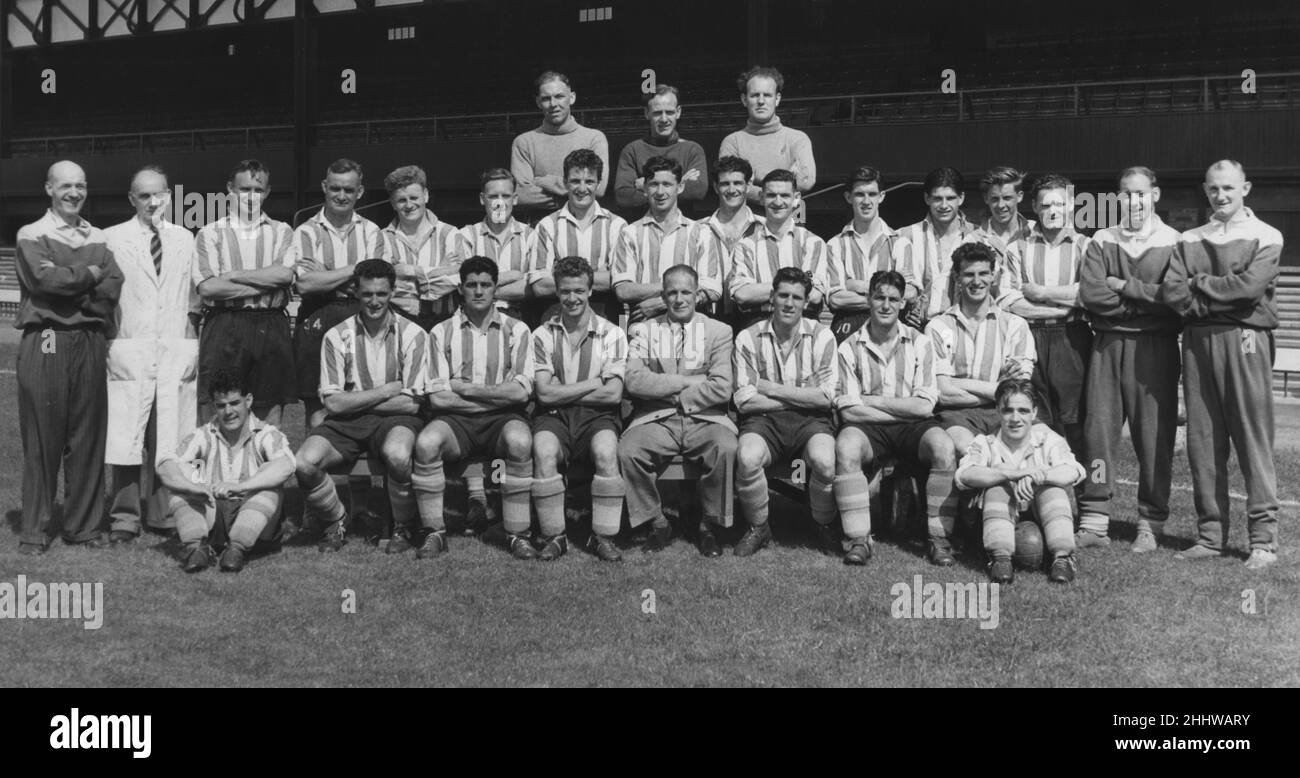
480 379
1024 466
785 384
227 479
371 384
581 359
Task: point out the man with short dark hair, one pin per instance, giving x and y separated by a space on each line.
243 265
70 284
764 141
537 156
679 376
480 378
663 111
580 361
662 238
786 376
227 479
930 243
371 385
776 243
730 223
866 245
330 244
887 394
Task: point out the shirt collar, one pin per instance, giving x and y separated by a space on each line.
1037 440
963 226
324 221
805 329
232 221
1021 225
1152 226
56 223
991 312
1069 233
429 216
513 227
493 319
596 210
791 226
390 328
878 228
557 321
1241 217
253 426
677 221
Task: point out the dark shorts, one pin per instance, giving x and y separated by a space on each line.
308 335
258 345
845 324
1062 370
786 432
427 318
353 436
900 440
480 434
575 426
981 421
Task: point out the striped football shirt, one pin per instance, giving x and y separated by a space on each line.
500 352
904 367
601 354
647 248
1044 449
209 458
352 361
859 256
811 362
224 246
1046 263
559 235
760 254
928 266
413 258
979 348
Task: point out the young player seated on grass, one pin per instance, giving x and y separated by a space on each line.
227 480
1023 466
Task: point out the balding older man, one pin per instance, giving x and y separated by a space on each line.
70 285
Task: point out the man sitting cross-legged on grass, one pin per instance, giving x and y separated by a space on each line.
580 361
371 384
1023 466
785 386
679 375
480 376
227 479
887 394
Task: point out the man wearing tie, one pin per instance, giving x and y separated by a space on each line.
153 361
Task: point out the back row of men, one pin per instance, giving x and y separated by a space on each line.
1104 315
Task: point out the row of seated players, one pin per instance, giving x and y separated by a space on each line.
417 401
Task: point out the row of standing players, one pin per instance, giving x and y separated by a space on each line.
1038 271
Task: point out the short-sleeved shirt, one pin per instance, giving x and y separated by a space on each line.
811 362
353 361
859 256
210 459
322 246
413 260
500 352
1045 449
602 353
762 253
559 235
225 246
647 248
725 246
928 267
1046 263
513 249
905 367
979 348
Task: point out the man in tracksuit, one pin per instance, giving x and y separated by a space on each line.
1134 366
1222 280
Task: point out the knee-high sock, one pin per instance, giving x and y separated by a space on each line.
474 485
252 518
323 500
516 512
607 504
548 499
854 502
821 499
941 503
1053 504
430 485
751 493
191 523
402 498
999 527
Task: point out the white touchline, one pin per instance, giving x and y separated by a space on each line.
1233 495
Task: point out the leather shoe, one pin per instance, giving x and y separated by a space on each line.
232 560
521 547
434 544
198 557
753 540
554 548
660 538
120 537
476 517
940 554
1063 569
334 538
859 553
99 541
399 542
1001 571
708 544
604 548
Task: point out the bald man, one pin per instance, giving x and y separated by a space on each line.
70 285
1222 280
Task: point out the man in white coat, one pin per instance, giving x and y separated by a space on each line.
153 360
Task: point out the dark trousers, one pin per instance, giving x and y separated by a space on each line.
63 418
